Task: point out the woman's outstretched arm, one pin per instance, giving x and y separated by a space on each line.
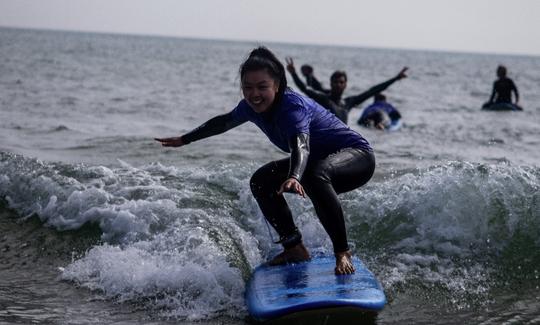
214 126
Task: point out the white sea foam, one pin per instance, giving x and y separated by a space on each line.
451 209
194 283
183 242
443 226
176 251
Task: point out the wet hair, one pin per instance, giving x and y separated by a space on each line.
501 71
262 58
306 69
379 97
338 74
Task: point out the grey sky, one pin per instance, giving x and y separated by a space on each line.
491 26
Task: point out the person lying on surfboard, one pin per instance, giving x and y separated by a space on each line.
326 156
380 114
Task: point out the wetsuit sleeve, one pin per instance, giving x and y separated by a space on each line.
316 84
318 96
295 125
214 126
358 99
299 146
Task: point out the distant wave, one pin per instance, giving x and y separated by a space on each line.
60 128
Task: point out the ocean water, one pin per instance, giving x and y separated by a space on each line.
100 224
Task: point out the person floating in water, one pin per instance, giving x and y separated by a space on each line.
502 91
311 80
333 101
380 114
326 156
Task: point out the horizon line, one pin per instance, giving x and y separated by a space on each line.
238 40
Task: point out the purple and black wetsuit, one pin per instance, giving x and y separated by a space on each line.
327 158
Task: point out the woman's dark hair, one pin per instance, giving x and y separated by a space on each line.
306 68
262 58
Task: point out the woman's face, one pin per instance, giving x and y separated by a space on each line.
259 90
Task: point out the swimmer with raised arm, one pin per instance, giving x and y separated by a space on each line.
334 100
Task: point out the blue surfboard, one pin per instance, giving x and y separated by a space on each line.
276 291
394 125
501 107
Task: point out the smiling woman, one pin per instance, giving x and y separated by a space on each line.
259 90
175 232
327 157
263 81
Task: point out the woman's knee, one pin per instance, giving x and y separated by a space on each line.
317 174
368 170
263 180
256 183
355 173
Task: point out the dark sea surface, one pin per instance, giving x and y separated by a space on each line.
100 224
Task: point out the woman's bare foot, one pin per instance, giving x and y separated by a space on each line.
295 254
344 264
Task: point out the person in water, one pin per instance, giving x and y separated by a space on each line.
380 114
326 156
333 101
311 80
503 89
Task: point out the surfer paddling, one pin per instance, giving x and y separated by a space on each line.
326 156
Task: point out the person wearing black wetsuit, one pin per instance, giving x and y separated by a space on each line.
326 156
333 101
503 88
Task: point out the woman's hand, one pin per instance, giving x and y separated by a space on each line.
292 185
171 142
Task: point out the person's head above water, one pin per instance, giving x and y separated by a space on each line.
379 98
501 71
306 70
263 79
338 82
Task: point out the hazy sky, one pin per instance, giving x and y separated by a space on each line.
493 26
